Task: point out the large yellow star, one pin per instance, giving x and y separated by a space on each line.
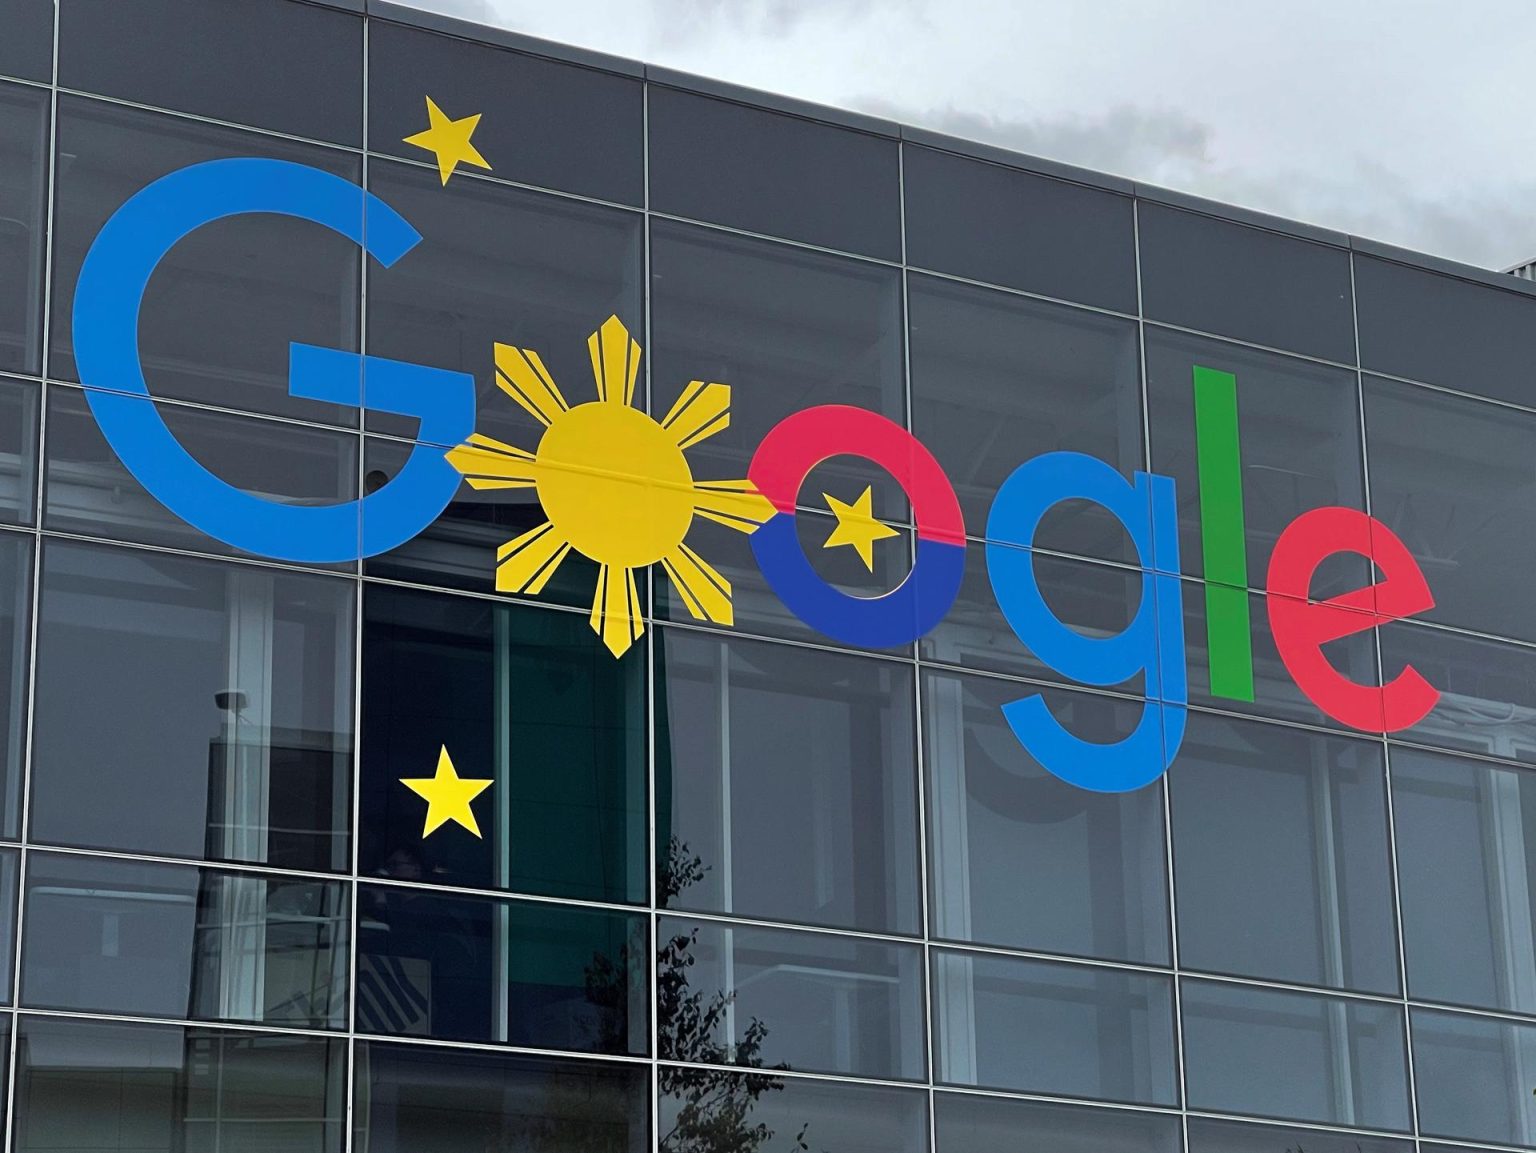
856 525
447 795
448 140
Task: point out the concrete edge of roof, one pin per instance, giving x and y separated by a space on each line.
401 13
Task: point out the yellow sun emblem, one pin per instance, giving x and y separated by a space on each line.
614 485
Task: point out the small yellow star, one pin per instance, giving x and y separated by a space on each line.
447 795
856 525
448 140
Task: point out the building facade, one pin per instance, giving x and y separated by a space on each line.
1093 707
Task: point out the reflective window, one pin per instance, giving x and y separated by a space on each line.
542 122
226 303
27 49
542 976
525 699
85 1085
1306 816
1473 1077
1064 240
1259 286
1294 1056
1042 1027
228 59
15 628
778 999
1453 480
768 172
786 787
411 1098
1466 851
206 708
171 940
711 1109
18 451
23 195
8 864
1210 1136
998 379
975 1124
1020 857
500 265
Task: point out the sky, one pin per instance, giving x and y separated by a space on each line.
1408 121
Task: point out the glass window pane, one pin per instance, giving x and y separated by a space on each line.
412 1098
27 48
15 629
768 172
1095 863
1210 1136
1473 1077
526 699
542 976
23 227
1306 816
1064 240
975 1124
711 1109
205 708
774 998
786 787
1294 1056
85 1085
543 122
998 379
18 451
171 941
1259 286
1043 1027
1466 851
228 59
224 306
9 859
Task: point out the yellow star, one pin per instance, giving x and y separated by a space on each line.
447 795
856 525
448 140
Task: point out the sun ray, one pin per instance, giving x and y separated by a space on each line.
706 593
525 564
615 361
616 608
522 376
700 412
734 503
488 463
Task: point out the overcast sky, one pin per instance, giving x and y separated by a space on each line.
1410 121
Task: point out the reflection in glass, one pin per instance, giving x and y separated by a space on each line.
204 707
974 1124
27 48
15 625
23 195
83 1085
18 451
1045 1027
1474 1077
1210 1136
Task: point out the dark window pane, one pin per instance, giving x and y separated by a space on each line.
1445 331
998 379
89 491
415 1098
1473 1077
543 122
1294 1056
172 941
23 230
1216 276
15 627
1452 479
1095 862
974 1124
511 972
786 783
293 68
204 708
767 172
1018 229
18 451
26 50
816 1002
226 303
1306 815
526 699
8 863
1210 1136
1043 1027
500 265
716 1110
1466 850
83 1085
